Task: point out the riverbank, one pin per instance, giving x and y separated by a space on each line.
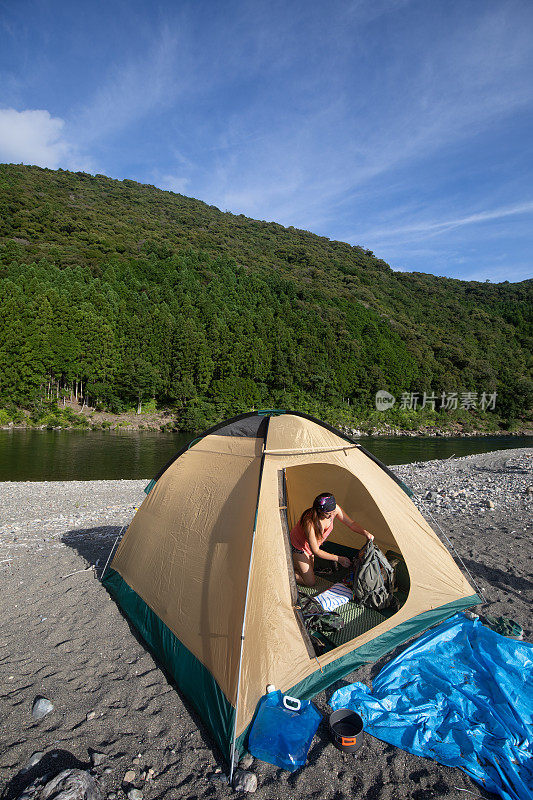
461 423
63 637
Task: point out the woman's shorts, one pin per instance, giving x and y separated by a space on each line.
295 550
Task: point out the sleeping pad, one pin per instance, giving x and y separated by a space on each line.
462 695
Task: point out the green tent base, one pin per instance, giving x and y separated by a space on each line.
190 675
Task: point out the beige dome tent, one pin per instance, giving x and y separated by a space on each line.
204 571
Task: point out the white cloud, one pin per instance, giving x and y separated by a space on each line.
432 228
35 137
31 137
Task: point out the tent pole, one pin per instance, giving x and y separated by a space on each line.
232 763
111 553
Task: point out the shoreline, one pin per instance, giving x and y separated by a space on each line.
356 433
72 417
63 637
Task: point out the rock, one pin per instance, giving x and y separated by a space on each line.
97 758
135 794
71 784
529 491
41 707
31 791
218 776
244 781
36 757
246 761
90 715
136 760
129 776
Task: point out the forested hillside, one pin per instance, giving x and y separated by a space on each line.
126 293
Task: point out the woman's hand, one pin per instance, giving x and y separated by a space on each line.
344 561
369 536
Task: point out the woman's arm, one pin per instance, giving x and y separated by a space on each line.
315 548
354 526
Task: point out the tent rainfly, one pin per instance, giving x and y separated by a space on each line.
204 571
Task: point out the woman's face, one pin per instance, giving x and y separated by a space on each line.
325 514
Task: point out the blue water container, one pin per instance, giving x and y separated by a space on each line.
283 730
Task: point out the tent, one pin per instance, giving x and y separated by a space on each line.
204 571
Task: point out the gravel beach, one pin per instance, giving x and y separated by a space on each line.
62 637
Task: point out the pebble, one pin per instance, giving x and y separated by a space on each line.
244 781
471 485
90 715
129 776
246 761
41 707
135 794
71 784
97 758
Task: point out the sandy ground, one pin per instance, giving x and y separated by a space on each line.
61 636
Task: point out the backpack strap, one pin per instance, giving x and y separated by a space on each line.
388 569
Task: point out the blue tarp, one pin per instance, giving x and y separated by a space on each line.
462 695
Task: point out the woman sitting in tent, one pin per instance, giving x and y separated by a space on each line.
312 530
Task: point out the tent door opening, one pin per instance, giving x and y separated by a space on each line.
297 487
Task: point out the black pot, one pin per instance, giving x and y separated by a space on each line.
346 729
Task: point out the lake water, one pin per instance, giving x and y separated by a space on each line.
30 455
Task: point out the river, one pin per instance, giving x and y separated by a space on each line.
35 455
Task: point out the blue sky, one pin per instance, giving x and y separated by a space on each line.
402 126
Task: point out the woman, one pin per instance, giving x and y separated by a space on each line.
312 530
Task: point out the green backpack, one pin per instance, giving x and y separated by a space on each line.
373 581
